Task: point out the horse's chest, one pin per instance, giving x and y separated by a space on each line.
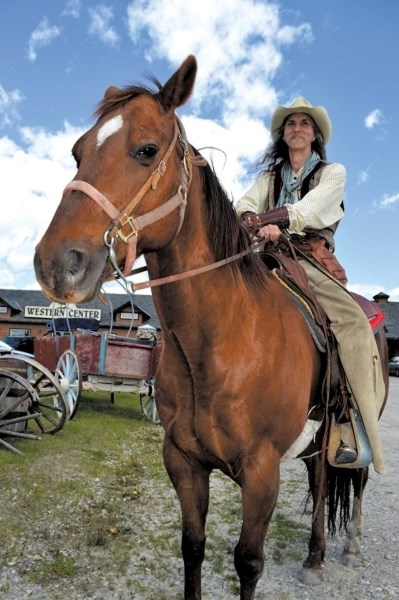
205 437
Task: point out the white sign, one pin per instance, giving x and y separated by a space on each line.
66 310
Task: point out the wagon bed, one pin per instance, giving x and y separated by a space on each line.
104 359
37 395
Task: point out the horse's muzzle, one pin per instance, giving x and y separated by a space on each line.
71 274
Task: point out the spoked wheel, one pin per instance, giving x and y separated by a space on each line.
17 396
148 405
49 401
69 376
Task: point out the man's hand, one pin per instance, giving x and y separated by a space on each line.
267 224
271 233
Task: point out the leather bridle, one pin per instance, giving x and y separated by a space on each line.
124 219
124 225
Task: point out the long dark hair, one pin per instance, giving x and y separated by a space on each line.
277 152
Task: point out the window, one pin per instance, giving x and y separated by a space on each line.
19 332
129 315
3 310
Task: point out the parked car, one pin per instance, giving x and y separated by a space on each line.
394 366
5 348
21 343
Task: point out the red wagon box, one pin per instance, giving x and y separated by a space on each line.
101 354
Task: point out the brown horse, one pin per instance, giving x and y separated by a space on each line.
239 369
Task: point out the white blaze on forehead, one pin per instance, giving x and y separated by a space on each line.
110 127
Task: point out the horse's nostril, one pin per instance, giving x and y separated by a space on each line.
76 261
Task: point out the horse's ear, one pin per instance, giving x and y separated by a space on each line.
178 88
110 91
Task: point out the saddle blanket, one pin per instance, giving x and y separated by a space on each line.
303 440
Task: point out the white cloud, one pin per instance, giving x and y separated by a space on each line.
236 68
289 34
236 64
72 9
362 177
223 147
372 289
42 36
366 290
7 278
8 106
389 200
393 294
100 19
374 118
33 176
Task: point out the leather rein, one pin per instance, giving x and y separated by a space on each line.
125 227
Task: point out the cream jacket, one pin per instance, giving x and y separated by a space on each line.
319 208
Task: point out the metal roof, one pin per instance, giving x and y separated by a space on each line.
391 312
17 300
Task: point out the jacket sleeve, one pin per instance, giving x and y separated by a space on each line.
256 198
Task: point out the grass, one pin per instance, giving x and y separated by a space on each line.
83 501
74 490
60 566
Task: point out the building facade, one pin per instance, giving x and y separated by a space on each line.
30 313
391 312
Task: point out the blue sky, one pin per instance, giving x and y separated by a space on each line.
58 56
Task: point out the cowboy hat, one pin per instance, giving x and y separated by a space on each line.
301 105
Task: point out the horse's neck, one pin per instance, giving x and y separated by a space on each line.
205 304
189 249
201 303
179 257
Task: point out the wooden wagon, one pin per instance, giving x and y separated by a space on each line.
38 394
100 361
32 401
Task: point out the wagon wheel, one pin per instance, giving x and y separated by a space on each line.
49 401
69 375
148 405
16 396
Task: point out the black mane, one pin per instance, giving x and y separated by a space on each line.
228 236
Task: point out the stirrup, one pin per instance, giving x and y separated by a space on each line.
363 448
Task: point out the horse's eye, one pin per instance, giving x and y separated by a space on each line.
146 154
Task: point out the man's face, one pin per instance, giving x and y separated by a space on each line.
299 132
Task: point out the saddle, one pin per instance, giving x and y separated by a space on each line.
282 260
337 406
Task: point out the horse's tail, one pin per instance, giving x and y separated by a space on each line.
339 498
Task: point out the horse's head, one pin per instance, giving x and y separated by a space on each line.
132 175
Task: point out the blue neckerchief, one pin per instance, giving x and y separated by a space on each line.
287 194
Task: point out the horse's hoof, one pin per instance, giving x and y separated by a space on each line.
310 577
350 560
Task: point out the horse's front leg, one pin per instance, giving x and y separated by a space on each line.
351 556
260 484
311 572
191 482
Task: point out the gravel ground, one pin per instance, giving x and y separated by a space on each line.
153 569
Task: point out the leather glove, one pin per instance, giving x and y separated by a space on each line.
276 216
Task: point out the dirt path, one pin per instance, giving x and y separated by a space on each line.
378 576
143 562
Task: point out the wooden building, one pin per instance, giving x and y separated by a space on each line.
391 312
30 313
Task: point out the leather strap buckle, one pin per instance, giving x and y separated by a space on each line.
134 231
